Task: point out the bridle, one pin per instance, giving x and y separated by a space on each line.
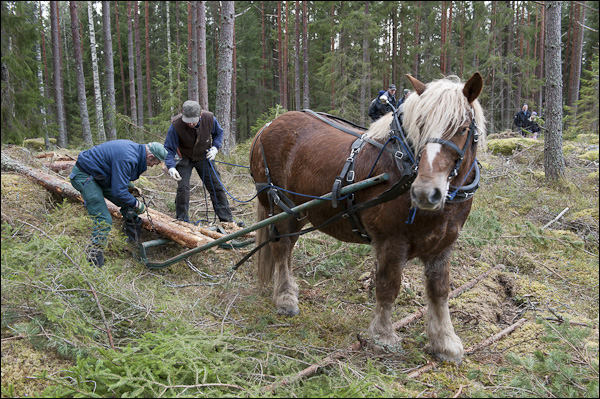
460 193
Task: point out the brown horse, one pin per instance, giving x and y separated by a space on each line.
443 123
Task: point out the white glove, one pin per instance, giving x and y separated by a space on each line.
383 99
211 154
174 174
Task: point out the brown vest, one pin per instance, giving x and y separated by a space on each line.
193 142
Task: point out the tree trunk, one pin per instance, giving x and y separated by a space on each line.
41 84
132 98
415 71
575 66
148 73
125 111
81 94
297 90
170 59
234 132
443 39
96 77
193 40
111 111
138 66
448 49
264 46
202 64
279 55
285 57
332 100
223 103
364 100
554 163
305 51
59 96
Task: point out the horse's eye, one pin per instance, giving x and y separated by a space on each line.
463 131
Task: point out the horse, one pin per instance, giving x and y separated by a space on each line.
301 156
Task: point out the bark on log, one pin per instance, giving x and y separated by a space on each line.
185 234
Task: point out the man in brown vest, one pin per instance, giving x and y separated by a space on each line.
195 136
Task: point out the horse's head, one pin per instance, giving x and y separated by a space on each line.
443 120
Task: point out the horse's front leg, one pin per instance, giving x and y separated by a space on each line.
285 289
388 277
443 342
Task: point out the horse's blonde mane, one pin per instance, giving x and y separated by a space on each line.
441 107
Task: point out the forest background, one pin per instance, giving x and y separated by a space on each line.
82 73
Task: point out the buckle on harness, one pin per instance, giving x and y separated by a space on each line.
399 154
350 177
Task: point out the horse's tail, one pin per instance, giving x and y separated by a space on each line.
264 259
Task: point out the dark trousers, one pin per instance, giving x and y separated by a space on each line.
210 177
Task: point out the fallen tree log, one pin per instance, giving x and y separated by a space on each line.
185 234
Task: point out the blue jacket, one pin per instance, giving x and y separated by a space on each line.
113 165
172 141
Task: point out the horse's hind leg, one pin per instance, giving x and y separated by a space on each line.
443 342
285 289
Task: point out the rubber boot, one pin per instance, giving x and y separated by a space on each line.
133 230
96 256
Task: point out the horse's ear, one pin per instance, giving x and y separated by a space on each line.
473 87
417 84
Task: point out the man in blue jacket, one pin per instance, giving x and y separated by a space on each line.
107 171
195 136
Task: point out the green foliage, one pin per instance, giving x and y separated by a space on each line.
567 369
267 117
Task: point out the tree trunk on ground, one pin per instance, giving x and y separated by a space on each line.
554 163
185 234
96 77
81 94
111 111
223 103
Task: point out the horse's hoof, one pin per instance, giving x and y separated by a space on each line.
288 312
444 357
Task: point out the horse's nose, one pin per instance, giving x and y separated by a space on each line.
427 198
435 197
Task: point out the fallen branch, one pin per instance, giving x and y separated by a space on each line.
307 372
483 344
556 218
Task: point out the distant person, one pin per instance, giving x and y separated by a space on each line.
381 105
404 97
534 127
107 171
376 109
521 120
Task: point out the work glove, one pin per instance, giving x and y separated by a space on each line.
211 154
139 207
174 174
383 99
135 191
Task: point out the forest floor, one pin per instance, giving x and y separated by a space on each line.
196 328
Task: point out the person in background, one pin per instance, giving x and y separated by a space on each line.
533 125
107 171
404 97
376 107
381 105
195 136
521 120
